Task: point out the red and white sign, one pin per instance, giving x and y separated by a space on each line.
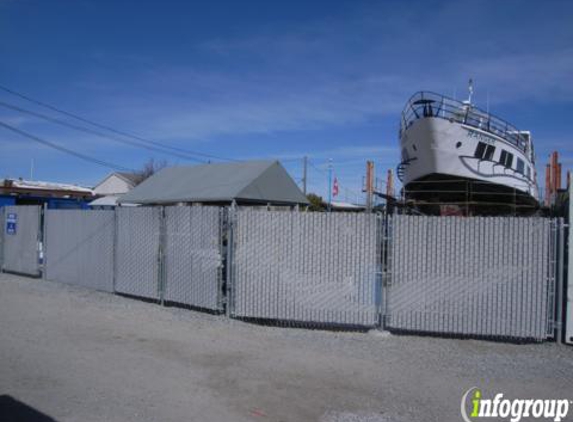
335 187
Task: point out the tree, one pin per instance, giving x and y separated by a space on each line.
149 169
316 202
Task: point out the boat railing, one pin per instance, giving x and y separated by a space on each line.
429 104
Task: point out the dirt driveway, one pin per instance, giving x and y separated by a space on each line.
78 355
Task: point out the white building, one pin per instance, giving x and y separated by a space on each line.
111 188
116 184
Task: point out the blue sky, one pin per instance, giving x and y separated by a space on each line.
272 79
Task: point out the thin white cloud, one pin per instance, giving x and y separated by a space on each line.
541 76
15 120
338 72
344 156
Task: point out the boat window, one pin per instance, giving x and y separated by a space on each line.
520 166
506 158
480 150
484 151
489 150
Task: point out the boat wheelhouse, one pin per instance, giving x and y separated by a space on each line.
458 157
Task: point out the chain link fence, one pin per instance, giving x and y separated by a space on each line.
21 227
306 267
193 256
170 254
478 277
137 254
475 276
79 247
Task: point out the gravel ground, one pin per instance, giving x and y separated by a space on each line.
79 355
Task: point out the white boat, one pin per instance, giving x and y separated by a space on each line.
456 155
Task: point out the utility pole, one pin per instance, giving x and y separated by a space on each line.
369 188
389 184
329 184
304 167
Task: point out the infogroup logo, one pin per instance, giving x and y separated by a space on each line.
475 407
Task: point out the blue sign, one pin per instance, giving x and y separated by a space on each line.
11 223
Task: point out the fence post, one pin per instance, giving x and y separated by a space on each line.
387 238
221 272
559 280
569 297
44 240
229 300
39 240
380 269
161 256
114 247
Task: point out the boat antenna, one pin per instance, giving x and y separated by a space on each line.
471 90
487 102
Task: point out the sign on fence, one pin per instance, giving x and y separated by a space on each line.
11 223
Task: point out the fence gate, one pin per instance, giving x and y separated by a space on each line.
306 267
78 247
137 251
472 276
21 227
193 264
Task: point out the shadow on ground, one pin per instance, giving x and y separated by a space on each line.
12 410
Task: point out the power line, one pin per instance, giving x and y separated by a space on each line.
109 128
289 160
94 132
149 144
64 149
317 169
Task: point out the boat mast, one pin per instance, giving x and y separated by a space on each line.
471 91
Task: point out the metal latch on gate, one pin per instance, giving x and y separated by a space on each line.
386 279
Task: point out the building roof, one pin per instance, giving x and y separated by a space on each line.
39 186
132 178
107 201
110 201
259 182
